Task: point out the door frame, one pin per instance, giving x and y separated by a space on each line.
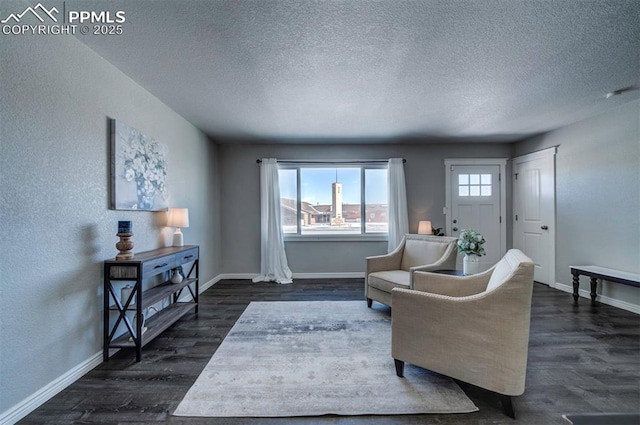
502 163
549 154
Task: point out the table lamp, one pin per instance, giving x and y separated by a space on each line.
178 218
424 228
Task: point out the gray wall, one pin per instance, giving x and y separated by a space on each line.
240 190
56 97
598 191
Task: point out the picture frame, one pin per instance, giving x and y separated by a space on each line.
138 170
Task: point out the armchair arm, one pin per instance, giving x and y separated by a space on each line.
428 267
390 261
454 286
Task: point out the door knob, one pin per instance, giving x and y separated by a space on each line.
455 229
545 227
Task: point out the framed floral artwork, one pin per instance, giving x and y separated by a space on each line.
138 170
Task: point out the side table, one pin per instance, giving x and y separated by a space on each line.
449 272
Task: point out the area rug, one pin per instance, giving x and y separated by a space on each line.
309 358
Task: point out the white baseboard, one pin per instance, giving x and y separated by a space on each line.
343 275
600 298
236 276
209 284
249 276
186 297
37 399
29 404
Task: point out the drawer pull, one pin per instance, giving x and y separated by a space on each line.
188 256
161 265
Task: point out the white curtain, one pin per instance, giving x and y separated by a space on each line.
273 259
398 215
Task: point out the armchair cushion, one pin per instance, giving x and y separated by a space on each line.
386 281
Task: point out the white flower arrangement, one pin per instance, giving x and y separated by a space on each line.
470 243
145 163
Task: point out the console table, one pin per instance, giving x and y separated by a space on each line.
151 269
595 273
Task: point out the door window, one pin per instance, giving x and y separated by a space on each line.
474 185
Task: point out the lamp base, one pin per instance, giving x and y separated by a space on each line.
178 240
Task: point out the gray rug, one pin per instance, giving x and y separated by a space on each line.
308 358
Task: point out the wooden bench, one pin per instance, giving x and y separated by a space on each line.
603 419
595 273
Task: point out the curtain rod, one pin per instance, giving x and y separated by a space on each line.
372 161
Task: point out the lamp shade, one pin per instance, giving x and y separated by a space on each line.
424 228
178 217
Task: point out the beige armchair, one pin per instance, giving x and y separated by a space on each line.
472 328
395 270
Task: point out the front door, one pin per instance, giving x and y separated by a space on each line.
534 211
475 194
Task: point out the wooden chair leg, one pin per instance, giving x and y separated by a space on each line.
369 302
399 367
507 406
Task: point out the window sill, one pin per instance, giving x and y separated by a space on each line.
336 238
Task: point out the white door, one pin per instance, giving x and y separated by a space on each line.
476 204
534 211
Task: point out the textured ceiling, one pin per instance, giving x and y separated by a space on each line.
387 71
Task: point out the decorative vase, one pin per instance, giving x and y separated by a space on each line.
471 264
176 277
125 293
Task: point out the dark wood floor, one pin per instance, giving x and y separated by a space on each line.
581 359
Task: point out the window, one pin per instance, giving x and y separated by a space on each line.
288 204
325 199
376 200
474 185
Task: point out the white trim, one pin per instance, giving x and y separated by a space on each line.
634 308
541 154
544 154
209 284
338 275
502 163
237 276
44 394
186 296
475 161
371 237
343 275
